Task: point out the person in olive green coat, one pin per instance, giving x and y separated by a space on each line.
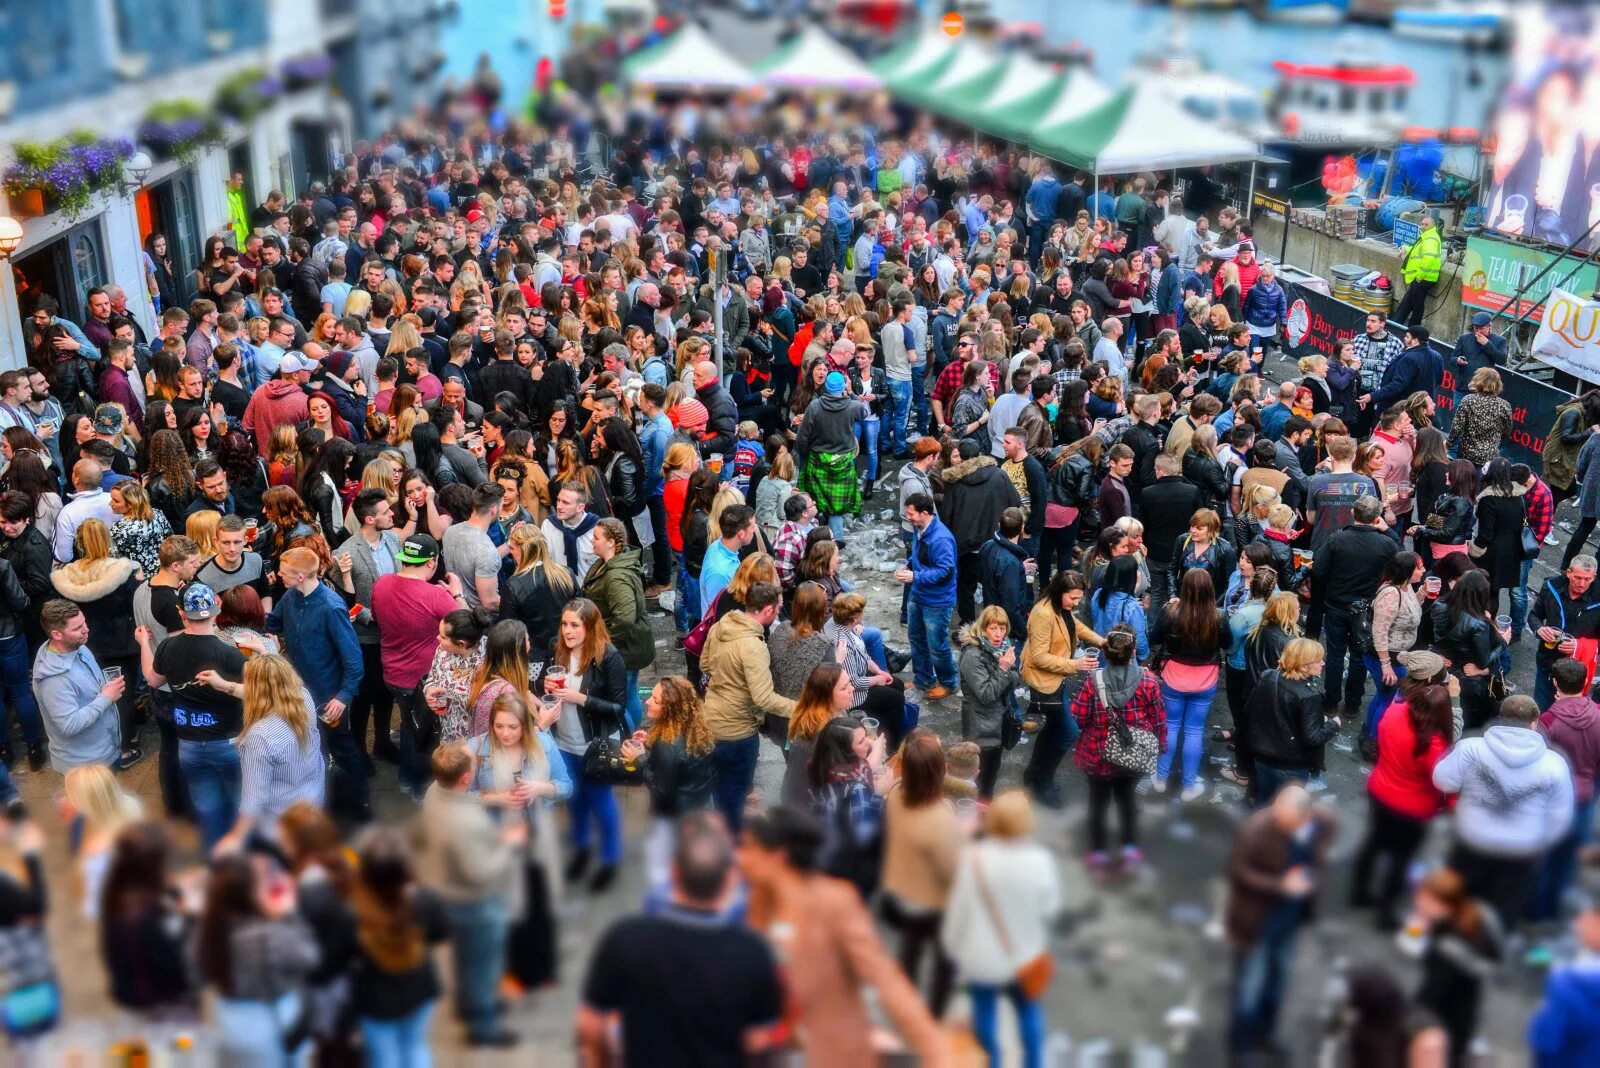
616 585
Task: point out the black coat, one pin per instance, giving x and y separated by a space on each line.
1209 478
1165 510
530 599
1498 545
679 782
1287 728
507 376
606 684
626 487
1350 566
1146 444
1220 564
976 492
1466 641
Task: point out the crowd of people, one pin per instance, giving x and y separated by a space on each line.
405 478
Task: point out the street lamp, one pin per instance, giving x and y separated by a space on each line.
10 236
138 167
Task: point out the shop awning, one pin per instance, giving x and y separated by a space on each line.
1019 80
920 60
972 71
1067 97
814 60
689 59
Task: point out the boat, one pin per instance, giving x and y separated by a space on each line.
1303 12
1453 21
1344 104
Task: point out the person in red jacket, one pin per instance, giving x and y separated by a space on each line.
1414 733
279 402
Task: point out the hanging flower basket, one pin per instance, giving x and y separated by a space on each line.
247 94
63 175
303 72
178 130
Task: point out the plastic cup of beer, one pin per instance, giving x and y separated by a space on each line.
1433 584
870 725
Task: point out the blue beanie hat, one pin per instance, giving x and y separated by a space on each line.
833 385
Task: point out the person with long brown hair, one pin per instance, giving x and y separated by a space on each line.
1193 636
586 676
797 643
504 670
1463 948
675 758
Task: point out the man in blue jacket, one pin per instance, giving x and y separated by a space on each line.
1565 1031
320 642
931 575
1418 368
1005 578
1041 205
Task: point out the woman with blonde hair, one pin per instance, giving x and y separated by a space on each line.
102 586
469 282
520 775
283 456
358 304
201 528
403 337
97 808
1482 421
140 529
1284 723
280 750
1229 292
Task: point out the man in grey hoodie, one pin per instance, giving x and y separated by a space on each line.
1515 802
76 702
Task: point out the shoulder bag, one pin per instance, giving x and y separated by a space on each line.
1033 978
1127 747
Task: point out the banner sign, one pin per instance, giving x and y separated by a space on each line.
1569 335
1317 323
1495 270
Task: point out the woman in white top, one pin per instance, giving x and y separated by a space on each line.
93 796
997 920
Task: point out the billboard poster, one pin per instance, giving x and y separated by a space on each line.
1544 182
1494 271
1569 336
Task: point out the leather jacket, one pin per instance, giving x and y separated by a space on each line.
1287 728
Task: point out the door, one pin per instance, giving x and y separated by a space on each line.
175 212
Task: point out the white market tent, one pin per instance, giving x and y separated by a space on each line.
689 59
919 60
814 60
972 68
1065 98
1022 78
1141 128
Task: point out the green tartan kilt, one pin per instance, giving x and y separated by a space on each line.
830 479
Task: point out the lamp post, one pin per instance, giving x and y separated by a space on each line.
10 236
138 168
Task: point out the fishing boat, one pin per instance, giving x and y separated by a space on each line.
1453 21
1303 12
1344 104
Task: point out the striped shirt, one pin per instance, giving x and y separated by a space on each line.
276 772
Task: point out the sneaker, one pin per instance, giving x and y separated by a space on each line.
1132 857
936 692
603 878
1193 793
578 865
1550 538
131 755
36 756
1098 860
1158 785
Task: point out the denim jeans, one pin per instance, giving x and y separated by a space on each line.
1339 631
836 524
1270 779
478 931
872 638
16 670
930 645
251 1032
1560 865
8 789
869 445
1544 687
593 800
1382 695
415 761
1260 981
401 1043
899 409
211 770
986 1022
1519 603
1186 721
735 764
687 611
633 708
919 400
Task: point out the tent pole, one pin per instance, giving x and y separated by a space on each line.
1094 193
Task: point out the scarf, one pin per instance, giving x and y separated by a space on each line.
570 535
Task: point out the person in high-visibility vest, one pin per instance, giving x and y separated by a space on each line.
1420 271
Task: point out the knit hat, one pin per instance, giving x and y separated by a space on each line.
690 414
338 362
108 420
833 385
1422 664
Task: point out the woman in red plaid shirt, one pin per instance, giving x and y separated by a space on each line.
1135 695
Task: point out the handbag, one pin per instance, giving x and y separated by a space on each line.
1033 978
694 643
1530 544
1010 729
1128 747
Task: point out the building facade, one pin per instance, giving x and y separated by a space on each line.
331 71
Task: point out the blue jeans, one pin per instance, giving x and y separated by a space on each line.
735 764
872 638
899 409
1382 695
1269 780
478 931
1544 687
401 1043
251 1032
16 671
931 661
1260 981
634 708
907 539
593 800
1186 719
687 612
836 524
211 771
919 397
986 1022
8 789
1519 602
1560 866
1339 631
869 445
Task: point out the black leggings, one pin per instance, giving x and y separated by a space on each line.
887 705
1586 527
1102 791
1239 686
919 931
988 770
1391 843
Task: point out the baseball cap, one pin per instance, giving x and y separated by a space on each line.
108 419
295 362
1482 319
198 601
419 549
